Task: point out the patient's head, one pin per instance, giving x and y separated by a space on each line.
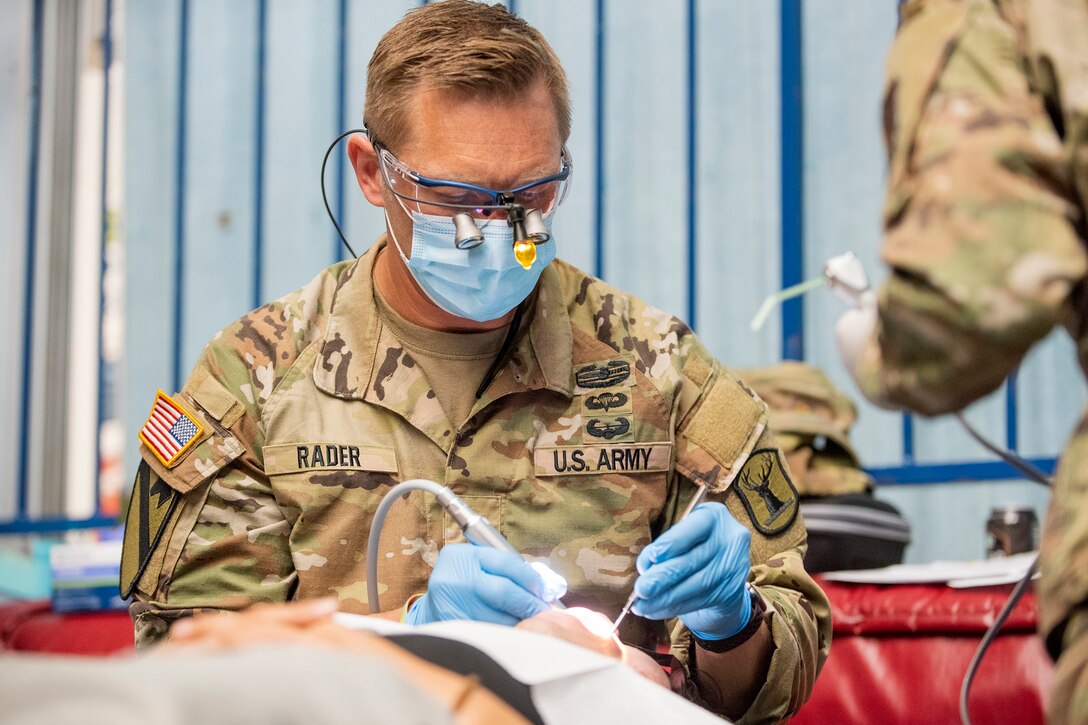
593 630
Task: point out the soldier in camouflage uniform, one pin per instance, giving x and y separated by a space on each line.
986 121
603 418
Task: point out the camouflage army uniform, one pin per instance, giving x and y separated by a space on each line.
986 118
581 450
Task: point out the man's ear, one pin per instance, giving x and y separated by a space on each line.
364 159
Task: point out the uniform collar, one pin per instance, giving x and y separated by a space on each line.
359 357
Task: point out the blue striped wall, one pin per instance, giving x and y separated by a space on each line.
722 149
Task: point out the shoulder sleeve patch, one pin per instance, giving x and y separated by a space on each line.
150 508
767 492
170 430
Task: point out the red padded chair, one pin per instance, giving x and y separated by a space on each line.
33 627
900 652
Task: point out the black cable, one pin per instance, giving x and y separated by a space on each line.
325 198
507 343
1025 467
1032 473
987 638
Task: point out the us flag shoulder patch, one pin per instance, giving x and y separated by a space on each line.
169 430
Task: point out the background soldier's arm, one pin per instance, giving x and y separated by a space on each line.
980 228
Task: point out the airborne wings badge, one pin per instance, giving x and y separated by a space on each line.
150 509
767 493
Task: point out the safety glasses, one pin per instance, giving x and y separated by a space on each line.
448 197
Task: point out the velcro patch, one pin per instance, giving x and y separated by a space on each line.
767 492
697 370
724 423
150 509
169 430
619 458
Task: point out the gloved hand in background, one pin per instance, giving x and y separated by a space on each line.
845 274
481 584
854 329
696 570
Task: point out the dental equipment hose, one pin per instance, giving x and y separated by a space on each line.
476 528
1031 473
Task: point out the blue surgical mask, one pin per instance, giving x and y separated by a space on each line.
482 283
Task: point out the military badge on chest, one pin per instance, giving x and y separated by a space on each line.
610 436
605 389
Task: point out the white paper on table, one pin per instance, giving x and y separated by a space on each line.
959 574
568 683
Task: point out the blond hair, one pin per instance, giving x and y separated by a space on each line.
462 46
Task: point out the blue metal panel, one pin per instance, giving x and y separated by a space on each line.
738 190
645 166
258 155
301 72
908 439
599 116
15 38
152 35
692 160
1010 413
956 472
339 121
793 186
33 142
219 163
178 311
1051 394
106 389
55 525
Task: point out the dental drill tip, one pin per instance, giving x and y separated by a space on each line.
623 612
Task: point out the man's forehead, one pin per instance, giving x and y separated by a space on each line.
494 140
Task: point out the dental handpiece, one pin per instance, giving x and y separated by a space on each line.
476 528
695 501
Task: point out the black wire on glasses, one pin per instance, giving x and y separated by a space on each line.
325 198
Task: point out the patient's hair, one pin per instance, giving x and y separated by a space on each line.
483 51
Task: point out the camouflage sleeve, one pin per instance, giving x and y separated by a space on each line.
723 443
979 227
224 543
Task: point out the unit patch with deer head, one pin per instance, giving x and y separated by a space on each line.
767 492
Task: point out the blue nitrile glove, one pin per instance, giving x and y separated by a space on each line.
696 570
482 584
